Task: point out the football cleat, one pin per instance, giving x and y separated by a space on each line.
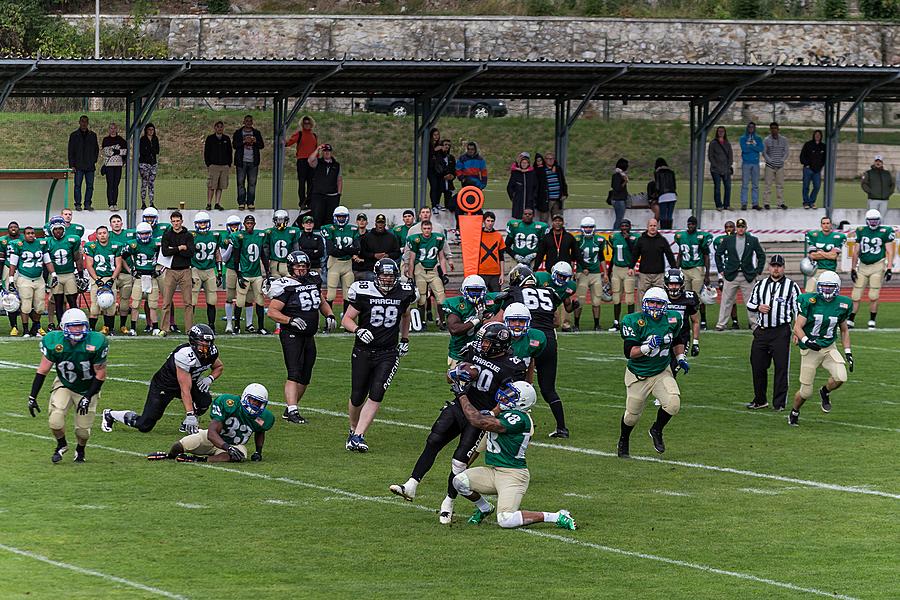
826 399
400 490
79 457
250 329
174 329
26 335
445 517
158 456
757 406
478 516
14 332
131 333
104 330
229 328
190 458
622 448
559 432
565 520
657 437
850 323
871 324
106 421
263 331
794 418
58 454
703 326
615 326
293 417
361 445
350 445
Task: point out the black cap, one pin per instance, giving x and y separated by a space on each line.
692 219
409 212
557 216
380 218
776 259
741 223
361 216
307 219
326 148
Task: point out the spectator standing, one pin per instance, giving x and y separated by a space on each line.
721 159
622 275
178 243
327 184
446 169
307 142
247 143
652 250
555 185
774 302
378 243
148 151
217 156
740 259
558 245
522 187
877 183
542 203
311 242
775 153
83 151
490 256
812 157
751 147
618 194
435 180
114 149
664 177
471 168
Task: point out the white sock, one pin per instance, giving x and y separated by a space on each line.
119 415
248 315
291 409
483 505
447 504
411 485
550 517
229 312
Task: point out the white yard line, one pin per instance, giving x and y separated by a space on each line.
400 504
91 572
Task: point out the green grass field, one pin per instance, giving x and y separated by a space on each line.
740 506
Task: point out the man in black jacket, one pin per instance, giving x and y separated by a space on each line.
327 184
83 152
178 243
812 157
312 243
557 245
740 259
247 142
217 156
378 243
652 250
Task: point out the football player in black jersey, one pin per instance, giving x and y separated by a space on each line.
296 305
491 356
686 303
542 302
181 376
377 315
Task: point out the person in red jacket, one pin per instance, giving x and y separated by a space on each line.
307 141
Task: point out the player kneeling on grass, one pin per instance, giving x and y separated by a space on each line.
650 336
232 421
79 356
506 473
819 316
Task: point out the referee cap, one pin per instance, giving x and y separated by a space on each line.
776 259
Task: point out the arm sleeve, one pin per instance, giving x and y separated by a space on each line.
636 249
165 246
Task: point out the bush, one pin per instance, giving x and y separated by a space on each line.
594 8
746 9
20 20
880 10
218 7
834 9
540 8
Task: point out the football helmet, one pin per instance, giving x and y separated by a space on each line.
201 222
254 399
341 216
493 340
387 275
708 294
233 223
150 215
144 232
522 276
873 218
281 219
674 279
829 285
74 325
9 301
606 292
105 298
516 395
473 288
808 266
201 337
298 264
518 318
655 303
588 225
82 283
561 273
57 223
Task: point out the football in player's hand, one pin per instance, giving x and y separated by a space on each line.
469 369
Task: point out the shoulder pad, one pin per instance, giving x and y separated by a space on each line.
281 285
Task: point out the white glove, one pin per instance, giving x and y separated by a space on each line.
190 423
330 323
403 347
364 335
298 323
474 320
204 384
667 339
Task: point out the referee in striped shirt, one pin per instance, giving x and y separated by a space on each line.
774 303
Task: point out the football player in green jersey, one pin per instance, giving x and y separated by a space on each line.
527 343
506 472
820 317
151 216
693 258
465 314
13 234
873 256
206 265
71 228
522 237
232 420
141 255
622 276
426 254
79 356
341 244
650 337
232 227
251 262
400 232
824 247
27 262
124 282
65 253
103 263
591 270
282 240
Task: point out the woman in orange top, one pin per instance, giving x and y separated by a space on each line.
307 141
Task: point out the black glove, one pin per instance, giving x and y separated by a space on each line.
575 305
12 286
243 283
403 347
219 280
854 275
849 356
33 406
695 348
157 273
99 282
83 405
887 275
811 344
234 453
256 456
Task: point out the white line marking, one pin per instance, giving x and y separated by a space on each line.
278 502
14 415
400 504
91 506
91 572
760 491
671 493
582 496
191 506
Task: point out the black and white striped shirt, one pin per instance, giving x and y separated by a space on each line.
780 296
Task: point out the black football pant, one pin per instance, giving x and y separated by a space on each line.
371 373
771 345
545 364
158 398
299 355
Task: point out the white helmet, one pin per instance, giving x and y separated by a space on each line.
708 294
254 399
588 225
606 292
516 395
144 232
655 302
807 266
473 288
199 218
9 301
341 216
561 273
75 325
517 312
873 218
829 285
281 218
233 223
150 215
105 298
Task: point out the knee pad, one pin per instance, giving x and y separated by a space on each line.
672 406
840 374
805 391
461 483
874 293
57 419
458 466
83 434
508 520
631 418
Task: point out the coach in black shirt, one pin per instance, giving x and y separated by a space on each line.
378 243
178 243
311 242
774 303
653 250
557 246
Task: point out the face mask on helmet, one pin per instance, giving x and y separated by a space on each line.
828 290
253 404
75 330
386 275
144 236
561 276
150 220
281 220
518 324
654 307
474 293
201 226
494 339
515 395
341 219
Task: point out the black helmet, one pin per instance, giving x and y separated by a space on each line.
201 338
674 276
493 340
522 276
387 275
296 259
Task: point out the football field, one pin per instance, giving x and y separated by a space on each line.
740 506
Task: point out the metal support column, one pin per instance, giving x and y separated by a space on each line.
12 81
561 131
417 117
